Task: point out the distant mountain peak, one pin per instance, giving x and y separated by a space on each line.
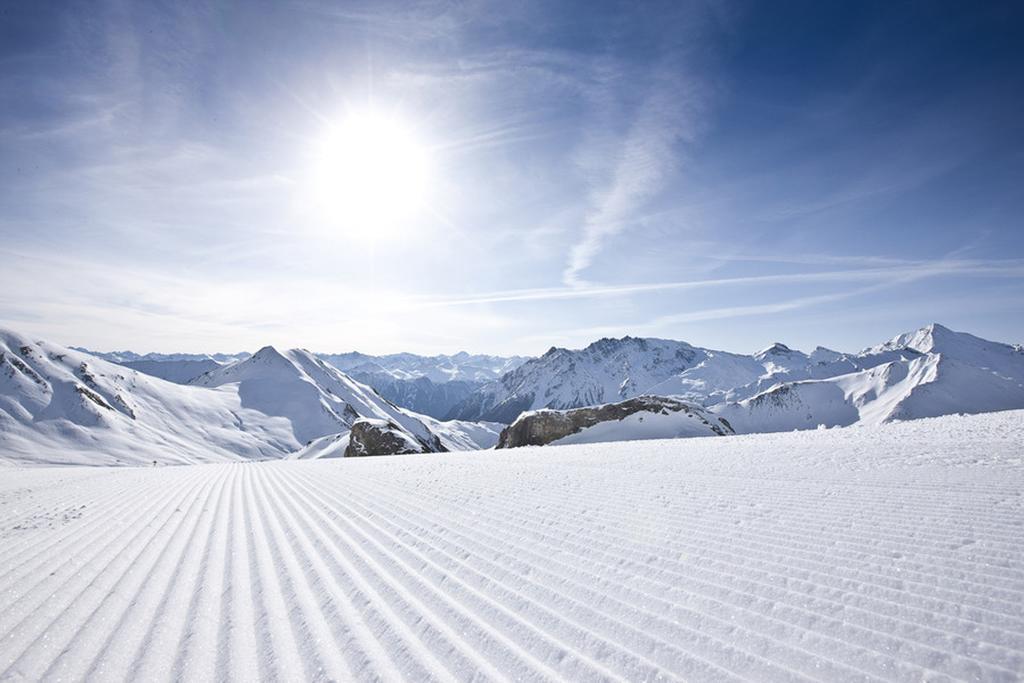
268 355
932 338
824 355
266 351
643 344
776 349
605 343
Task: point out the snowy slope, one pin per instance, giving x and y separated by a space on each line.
841 364
64 406
713 380
460 435
881 553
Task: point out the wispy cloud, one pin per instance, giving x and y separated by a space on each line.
666 323
905 272
883 279
641 164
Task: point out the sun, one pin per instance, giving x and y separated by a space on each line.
371 176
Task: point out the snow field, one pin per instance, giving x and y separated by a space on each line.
881 553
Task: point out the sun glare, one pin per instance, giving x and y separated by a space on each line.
371 176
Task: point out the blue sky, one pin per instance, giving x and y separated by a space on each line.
727 173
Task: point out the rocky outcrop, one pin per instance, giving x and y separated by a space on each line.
541 427
383 437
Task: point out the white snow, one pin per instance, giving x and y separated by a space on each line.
893 552
459 435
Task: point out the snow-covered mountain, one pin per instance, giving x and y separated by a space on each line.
931 371
611 370
315 397
431 385
320 401
607 371
58 405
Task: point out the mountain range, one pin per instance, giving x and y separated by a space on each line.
611 370
59 406
65 405
431 385
926 373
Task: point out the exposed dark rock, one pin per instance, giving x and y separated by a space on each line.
780 396
92 396
541 427
125 406
25 369
87 376
383 437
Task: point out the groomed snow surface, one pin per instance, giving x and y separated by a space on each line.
893 552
